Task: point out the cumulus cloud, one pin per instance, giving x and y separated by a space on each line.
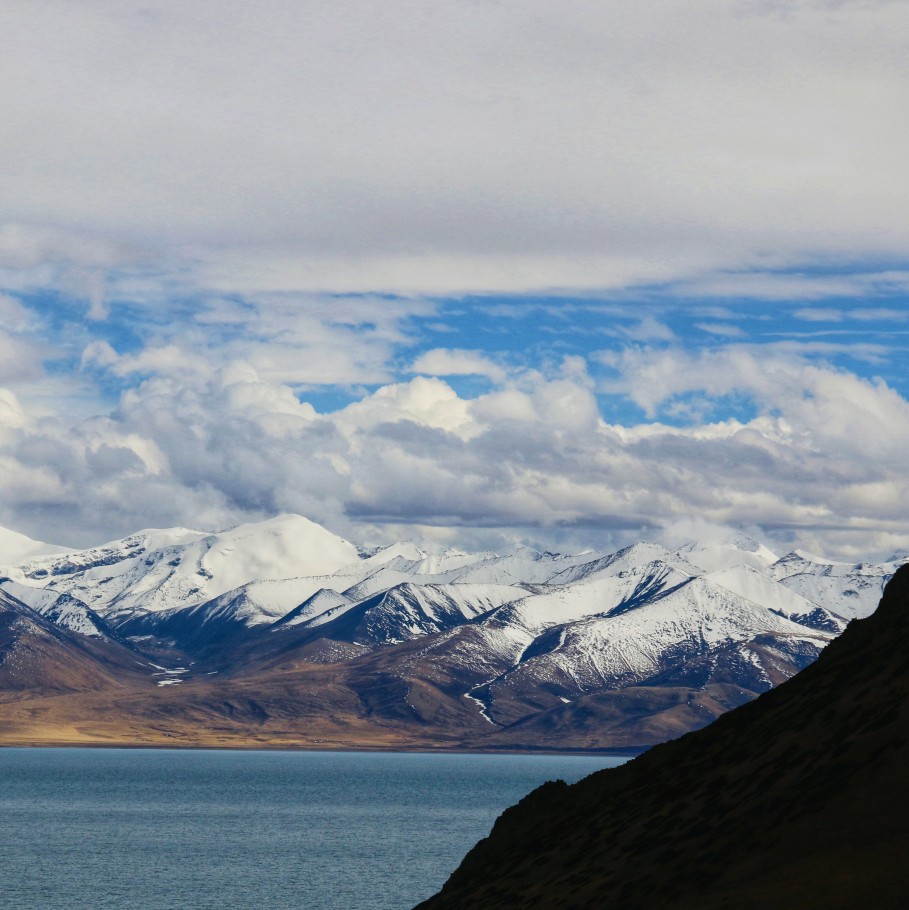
820 462
422 402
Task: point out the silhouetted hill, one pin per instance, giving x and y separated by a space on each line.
799 799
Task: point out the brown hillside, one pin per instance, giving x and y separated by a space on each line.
38 658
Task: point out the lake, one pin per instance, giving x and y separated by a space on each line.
91 829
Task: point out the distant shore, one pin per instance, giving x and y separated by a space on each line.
313 747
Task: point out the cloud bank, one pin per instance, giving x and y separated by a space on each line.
821 462
448 147
563 273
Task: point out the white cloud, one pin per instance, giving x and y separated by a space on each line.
75 262
301 340
165 360
11 412
245 182
879 313
819 314
13 316
452 362
426 402
647 329
763 284
20 359
821 462
721 329
29 246
483 145
866 314
841 419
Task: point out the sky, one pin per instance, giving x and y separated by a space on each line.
477 272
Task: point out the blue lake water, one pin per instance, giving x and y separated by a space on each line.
130 829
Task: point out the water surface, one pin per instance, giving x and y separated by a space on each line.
111 829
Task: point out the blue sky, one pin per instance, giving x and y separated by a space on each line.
864 333
507 272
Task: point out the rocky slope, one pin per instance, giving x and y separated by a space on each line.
796 801
40 657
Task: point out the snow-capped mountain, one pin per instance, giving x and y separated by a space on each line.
46 654
692 621
486 639
164 569
64 610
850 591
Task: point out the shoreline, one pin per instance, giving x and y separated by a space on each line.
345 748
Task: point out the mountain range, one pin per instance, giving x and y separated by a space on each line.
796 801
280 633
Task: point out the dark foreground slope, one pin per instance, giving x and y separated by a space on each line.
798 800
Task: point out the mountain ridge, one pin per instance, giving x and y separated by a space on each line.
520 650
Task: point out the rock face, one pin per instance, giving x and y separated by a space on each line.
798 800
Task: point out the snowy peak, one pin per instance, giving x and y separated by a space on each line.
402 613
265 550
738 550
63 610
798 561
696 630
69 613
406 550
759 588
641 611
163 570
16 548
849 590
630 559
46 568
324 605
